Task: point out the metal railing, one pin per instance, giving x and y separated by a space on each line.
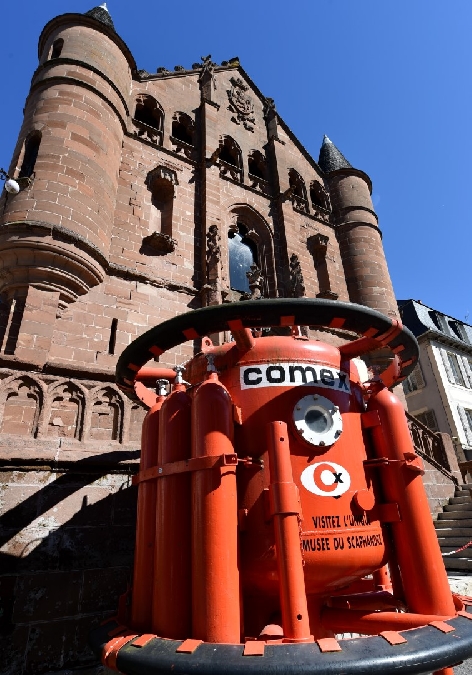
430 446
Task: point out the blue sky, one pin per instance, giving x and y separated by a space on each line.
388 82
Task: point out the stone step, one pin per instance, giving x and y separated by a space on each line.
463 489
449 528
466 553
460 500
464 506
451 563
455 515
454 542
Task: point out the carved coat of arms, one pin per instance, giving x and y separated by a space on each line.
240 103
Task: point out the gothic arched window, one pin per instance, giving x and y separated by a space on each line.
182 128
319 196
297 185
230 159
242 254
149 118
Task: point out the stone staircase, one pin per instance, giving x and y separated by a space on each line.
454 529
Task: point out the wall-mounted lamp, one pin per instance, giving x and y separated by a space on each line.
14 186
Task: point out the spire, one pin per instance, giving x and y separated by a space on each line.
101 14
331 158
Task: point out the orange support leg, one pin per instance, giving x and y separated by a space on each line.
285 510
416 545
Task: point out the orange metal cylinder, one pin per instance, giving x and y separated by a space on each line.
285 509
215 574
141 604
171 600
419 557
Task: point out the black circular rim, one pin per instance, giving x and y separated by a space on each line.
259 314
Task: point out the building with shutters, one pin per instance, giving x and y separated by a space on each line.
439 391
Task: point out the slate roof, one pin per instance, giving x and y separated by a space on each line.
101 14
421 319
331 158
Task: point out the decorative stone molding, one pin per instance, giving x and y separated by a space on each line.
44 406
161 243
317 244
161 173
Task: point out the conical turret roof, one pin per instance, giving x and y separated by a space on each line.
331 158
101 14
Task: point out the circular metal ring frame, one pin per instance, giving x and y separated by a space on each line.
259 314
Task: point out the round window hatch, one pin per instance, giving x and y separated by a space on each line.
317 420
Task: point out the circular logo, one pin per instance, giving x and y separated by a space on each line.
326 479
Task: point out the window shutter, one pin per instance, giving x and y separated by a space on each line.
417 377
428 418
465 424
447 366
467 365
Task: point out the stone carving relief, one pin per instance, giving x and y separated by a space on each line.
297 282
255 283
32 407
241 104
207 80
213 258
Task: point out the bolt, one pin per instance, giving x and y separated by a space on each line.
322 443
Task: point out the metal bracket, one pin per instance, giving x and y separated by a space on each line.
186 465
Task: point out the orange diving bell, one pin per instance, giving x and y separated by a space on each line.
281 505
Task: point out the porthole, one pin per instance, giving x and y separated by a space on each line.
317 420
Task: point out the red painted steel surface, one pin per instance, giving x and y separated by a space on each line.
143 577
416 545
171 617
296 535
215 574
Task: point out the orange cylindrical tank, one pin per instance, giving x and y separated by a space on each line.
171 601
215 574
141 604
417 549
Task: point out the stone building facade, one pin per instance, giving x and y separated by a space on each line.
136 191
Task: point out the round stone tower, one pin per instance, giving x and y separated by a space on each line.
360 240
55 233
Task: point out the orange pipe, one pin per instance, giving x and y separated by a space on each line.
285 510
416 545
215 574
244 339
372 623
171 600
155 374
141 603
